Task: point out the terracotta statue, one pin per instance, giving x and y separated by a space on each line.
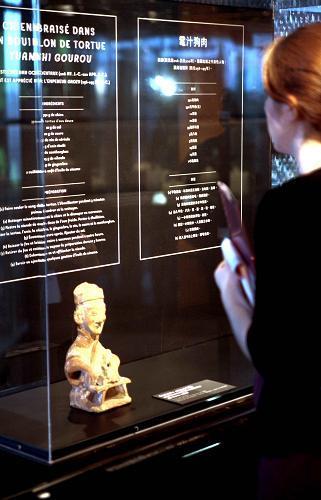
91 369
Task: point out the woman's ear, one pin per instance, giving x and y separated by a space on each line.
290 109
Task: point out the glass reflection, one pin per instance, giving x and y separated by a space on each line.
12 103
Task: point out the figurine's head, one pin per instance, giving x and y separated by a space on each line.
90 312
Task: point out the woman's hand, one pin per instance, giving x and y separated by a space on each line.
225 277
229 285
236 306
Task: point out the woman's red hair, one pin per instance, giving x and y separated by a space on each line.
292 72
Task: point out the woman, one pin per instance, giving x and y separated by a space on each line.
282 335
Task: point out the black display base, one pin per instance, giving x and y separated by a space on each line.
27 430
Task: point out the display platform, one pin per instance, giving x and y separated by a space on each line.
75 431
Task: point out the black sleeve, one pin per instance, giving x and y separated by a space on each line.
284 337
259 342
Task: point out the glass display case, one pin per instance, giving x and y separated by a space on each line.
117 121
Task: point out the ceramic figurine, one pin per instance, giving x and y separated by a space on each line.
90 368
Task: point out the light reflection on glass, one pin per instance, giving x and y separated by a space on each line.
165 85
105 59
16 3
12 96
38 92
159 198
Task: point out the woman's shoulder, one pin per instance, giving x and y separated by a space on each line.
303 186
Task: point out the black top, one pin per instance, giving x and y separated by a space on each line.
284 339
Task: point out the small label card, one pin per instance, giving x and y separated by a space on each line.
194 392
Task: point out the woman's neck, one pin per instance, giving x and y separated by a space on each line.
307 151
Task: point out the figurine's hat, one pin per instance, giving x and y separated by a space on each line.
86 292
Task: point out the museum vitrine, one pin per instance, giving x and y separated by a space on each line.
117 120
